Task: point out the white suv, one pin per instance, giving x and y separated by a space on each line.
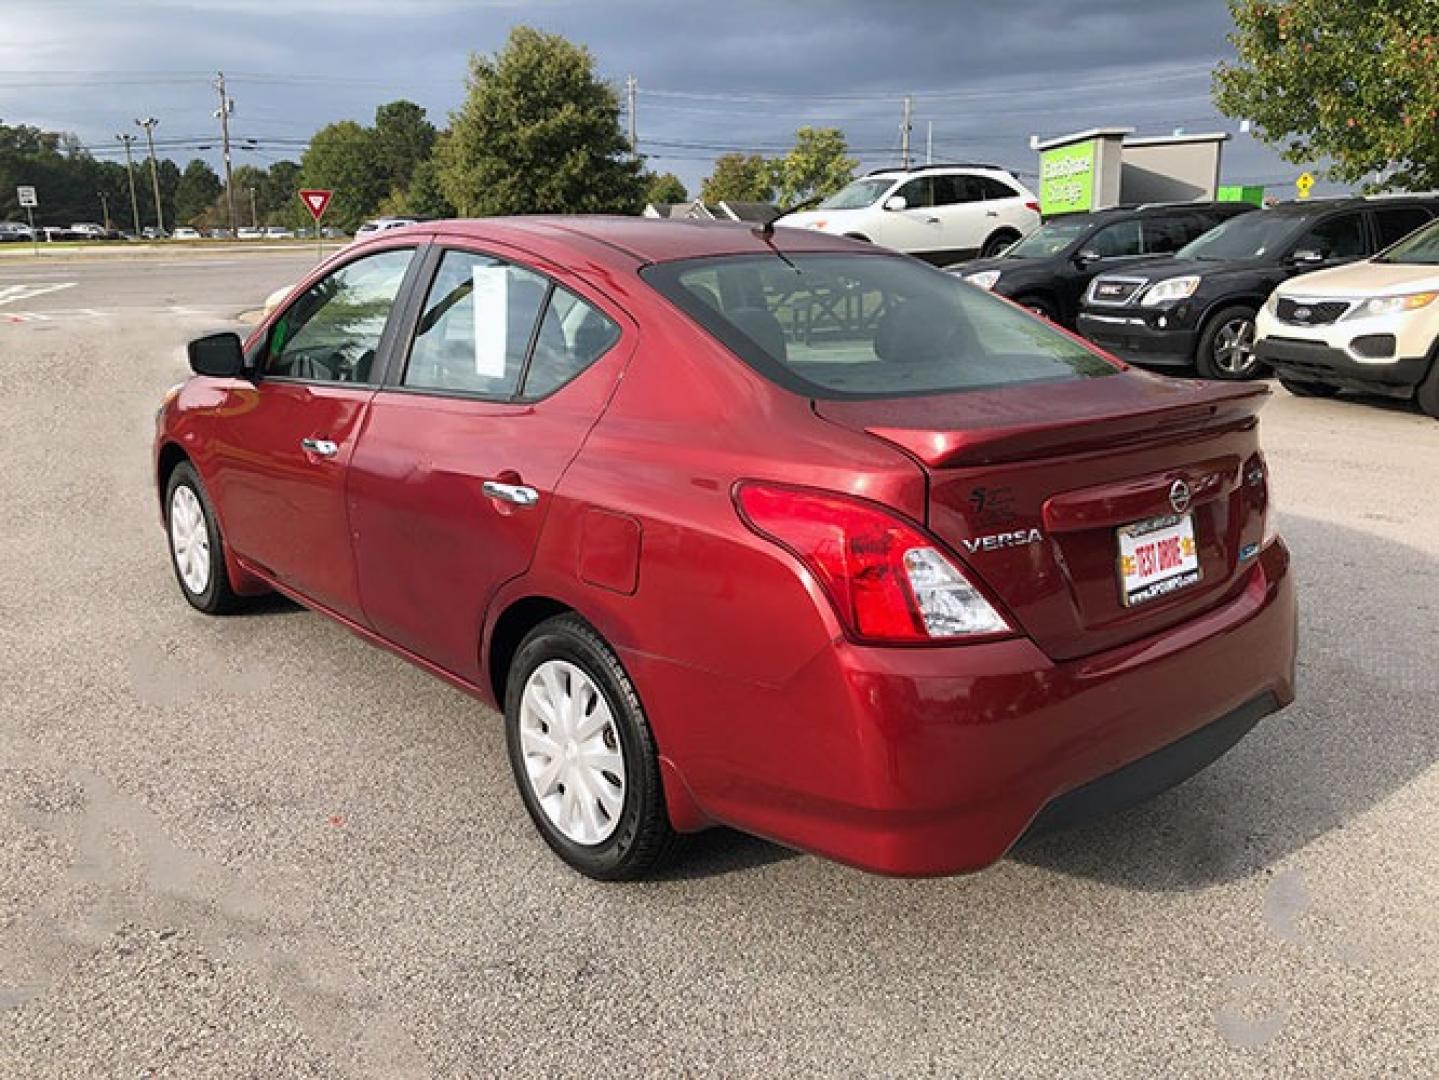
941 213
1370 325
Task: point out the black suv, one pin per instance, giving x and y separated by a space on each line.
1198 307
1048 270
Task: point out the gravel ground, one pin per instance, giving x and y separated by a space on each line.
258 847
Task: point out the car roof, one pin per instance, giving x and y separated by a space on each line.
635 240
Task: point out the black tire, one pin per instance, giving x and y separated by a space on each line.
643 836
1427 395
1212 359
1301 388
1039 305
218 596
997 243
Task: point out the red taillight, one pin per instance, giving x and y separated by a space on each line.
1032 205
887 580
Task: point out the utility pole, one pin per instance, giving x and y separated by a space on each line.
632 86
149 124
929 142
254 217
227 106
104 209
130 172
904 127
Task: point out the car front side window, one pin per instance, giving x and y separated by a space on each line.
332 332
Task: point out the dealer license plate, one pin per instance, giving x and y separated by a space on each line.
1156 558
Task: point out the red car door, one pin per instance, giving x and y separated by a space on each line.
457 467
283 446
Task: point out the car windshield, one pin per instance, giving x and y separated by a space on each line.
857 195
1248 236
1418 249
868 325
1050 238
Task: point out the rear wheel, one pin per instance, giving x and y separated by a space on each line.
197 550
583 755
1226 348
997 243
1302 388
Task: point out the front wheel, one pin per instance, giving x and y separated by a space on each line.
197 549
583 755
1226 348
1427 396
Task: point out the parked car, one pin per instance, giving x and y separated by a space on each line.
151 232
1049 269
1199 307
15 231
278 232
941 213
56 233
379 225
184 232
329 232
247 232
1371 325
219 234
88 230
784 532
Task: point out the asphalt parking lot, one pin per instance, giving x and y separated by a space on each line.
258 847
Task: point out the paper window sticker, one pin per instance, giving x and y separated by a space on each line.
490 302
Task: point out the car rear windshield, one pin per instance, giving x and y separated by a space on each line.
868 325
1050 238
1248 236
1418 249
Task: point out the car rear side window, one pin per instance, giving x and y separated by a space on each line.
573 335
475 332
332 332
1396 224
861 325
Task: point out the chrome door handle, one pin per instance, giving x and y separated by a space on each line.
322 447
991 213
518 494
931 221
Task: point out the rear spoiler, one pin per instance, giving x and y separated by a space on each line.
1215 405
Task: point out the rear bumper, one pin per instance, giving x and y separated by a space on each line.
1136 340
1314 361
935 761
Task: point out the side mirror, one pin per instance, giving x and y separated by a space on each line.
221 355
1086 256
895 202
1307 257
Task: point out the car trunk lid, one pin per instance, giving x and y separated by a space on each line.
1030 485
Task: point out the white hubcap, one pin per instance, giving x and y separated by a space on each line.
572 753
190 539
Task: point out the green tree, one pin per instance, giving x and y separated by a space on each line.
403 139
1352 81
665 188
817 166
425 197
341 157
538 133
739 177
199 188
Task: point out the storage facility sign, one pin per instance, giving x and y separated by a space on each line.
26 195
1066 178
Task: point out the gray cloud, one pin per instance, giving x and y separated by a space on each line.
742 74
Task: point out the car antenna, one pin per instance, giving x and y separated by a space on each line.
766 233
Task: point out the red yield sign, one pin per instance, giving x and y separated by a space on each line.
316 200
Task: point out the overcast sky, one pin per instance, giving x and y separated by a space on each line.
732 75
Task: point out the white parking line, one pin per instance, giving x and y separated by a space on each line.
11 294
215 311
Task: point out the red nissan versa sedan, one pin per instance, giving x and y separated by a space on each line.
785 532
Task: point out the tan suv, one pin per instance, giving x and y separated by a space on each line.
1371 325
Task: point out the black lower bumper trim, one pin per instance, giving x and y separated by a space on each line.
1313 361
1157 772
